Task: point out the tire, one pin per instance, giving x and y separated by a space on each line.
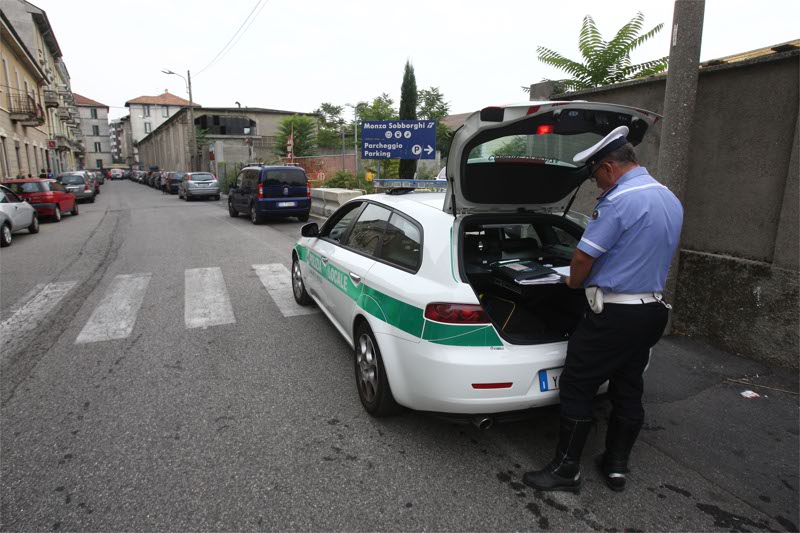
303 218
216 198
254 218
74 211
298 287
187 197
91 200
34 227
57 214
232 210
5 235
371 381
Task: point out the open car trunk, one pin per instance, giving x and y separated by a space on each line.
522 313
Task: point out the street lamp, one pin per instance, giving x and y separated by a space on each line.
193 137
355 139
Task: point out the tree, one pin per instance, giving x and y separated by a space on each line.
604 62
432 106
408 111
305 138
330 125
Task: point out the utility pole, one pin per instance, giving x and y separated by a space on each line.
193 141
680 96
342 147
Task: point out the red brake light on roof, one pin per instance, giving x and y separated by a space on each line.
533 109
456 313
260 191
544 129
505 385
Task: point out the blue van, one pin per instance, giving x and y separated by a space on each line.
270 191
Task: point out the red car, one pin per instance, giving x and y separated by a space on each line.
48 197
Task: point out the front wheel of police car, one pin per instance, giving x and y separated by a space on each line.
373 385
298 287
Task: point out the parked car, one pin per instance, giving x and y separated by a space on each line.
197 185
15 215
270 191
78 183
48 197
419 283
94 178
117 174
174 181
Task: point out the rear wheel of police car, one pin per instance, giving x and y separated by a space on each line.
371 381
298 287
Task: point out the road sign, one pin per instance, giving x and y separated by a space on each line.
398 139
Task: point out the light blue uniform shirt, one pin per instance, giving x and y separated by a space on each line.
633 235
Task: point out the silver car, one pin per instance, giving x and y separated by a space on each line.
15 215
196 184
78 183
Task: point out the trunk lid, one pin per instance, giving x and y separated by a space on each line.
284 183
519 157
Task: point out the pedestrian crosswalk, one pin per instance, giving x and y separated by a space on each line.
206 303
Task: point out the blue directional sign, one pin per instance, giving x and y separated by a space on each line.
398 139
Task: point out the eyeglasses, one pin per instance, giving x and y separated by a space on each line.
593 172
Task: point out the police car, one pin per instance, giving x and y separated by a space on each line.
432 289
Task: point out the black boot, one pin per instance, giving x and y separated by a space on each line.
613 464
564 471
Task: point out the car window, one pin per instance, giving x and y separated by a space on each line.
368 229
294 177
239 179
202 176
28 187
337 225
10 197
401 243
71 179
3 199
55 186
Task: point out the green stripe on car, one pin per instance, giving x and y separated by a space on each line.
397 313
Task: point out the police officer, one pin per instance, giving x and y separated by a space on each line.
622 262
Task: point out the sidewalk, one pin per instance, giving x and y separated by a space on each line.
748 448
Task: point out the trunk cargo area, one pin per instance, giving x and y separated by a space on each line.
522 314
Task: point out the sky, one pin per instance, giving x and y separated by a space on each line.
296 54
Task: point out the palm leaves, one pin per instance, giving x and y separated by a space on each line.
604 62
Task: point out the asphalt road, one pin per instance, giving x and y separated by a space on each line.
255 424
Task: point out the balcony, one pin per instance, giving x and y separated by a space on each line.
51 98
62 143
26 111
63 114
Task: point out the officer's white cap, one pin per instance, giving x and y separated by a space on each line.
608 144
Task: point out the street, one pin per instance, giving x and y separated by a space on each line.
156 377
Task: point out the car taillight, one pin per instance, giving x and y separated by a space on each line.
308 190
456 313
86 187
260 191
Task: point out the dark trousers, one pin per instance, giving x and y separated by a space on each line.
611 346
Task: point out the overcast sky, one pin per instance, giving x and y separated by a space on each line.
299 53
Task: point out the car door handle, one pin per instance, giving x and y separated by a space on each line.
356 278
324 259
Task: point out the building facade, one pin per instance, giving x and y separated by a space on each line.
228 137
148 113
54 144
95 130
115 133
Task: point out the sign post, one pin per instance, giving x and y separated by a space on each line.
398 139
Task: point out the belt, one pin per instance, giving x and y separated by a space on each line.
632 299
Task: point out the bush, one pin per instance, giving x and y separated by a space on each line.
342 179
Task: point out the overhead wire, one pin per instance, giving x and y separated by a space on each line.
225 49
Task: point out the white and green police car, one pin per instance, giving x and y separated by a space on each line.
413 280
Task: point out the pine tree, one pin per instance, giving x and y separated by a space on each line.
408 111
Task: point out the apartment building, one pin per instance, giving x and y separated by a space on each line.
148 112
95 130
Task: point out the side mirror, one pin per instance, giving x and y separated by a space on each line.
310 230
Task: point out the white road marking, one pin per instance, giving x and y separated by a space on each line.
278 282
28 316
115 315
28 296
206 299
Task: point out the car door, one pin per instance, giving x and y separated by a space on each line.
349 263
241 191
21 213
331 236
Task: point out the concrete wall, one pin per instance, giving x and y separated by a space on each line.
739 253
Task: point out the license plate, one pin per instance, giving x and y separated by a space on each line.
287 204
550 379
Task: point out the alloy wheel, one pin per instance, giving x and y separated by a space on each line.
6 234
297 281
57 214
367 368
